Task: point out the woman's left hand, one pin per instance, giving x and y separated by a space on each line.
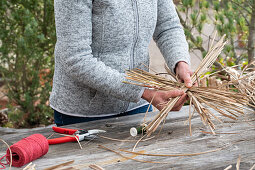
184 73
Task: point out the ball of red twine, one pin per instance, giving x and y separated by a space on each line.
27 150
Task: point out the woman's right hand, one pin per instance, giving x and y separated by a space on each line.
160 98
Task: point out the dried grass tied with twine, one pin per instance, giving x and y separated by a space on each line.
229 102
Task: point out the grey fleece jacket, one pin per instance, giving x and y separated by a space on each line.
97 40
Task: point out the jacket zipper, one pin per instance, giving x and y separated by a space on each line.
136 33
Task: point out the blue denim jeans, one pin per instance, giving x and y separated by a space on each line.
62 119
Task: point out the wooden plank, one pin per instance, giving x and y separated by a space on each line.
174 138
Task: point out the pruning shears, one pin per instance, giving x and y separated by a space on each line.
79 134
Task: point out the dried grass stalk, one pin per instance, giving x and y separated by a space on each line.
126 157
244 81
173 155
228 102
96 167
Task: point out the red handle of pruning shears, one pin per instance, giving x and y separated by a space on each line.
62 140
79 134
64 130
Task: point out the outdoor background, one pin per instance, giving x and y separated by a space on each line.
27 38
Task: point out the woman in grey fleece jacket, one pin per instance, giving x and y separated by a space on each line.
97 40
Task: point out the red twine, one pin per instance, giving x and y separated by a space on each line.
27 150
3 164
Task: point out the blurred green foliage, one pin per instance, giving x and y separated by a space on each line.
230 17
27 39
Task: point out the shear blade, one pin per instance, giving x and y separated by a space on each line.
95 131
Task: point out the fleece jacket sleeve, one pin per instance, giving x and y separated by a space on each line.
169 35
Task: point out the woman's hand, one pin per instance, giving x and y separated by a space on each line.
160 98
183 71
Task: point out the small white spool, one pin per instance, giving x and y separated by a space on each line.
133 132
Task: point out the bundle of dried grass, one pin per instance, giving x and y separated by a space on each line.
229 103
244 81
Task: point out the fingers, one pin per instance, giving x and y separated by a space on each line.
161 98
174 93
186 77
180 103
184 73
160 106
187 80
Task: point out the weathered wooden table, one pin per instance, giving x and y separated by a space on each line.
236 138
